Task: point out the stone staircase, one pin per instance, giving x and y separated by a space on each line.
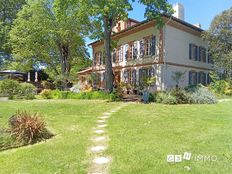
132 98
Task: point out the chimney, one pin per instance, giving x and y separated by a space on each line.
179 11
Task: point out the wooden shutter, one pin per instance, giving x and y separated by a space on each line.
196 52
200 54
190 78
199 78
190 51
153 45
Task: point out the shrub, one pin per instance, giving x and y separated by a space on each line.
48 85
9 88
27 91
203 96
165 98
182 97
221 87
28 128
46 94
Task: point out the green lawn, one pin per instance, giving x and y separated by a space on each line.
141 137
70 120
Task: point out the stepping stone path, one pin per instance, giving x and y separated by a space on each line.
100 162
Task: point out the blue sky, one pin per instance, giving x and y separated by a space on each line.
196 11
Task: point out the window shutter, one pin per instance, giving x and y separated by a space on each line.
142 48
134 77
196 53
190 78
153 45
138 48
195 78
199 78
190 51
199 55
124 52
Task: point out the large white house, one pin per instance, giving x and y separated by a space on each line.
145 51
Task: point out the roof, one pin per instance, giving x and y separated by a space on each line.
146 21
11 72
89 69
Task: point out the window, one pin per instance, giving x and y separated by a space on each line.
114 56
210 59
130 51
134 77
148 45
120 53
202 54
135 50
193 51
192 78
126 52
202 78
153 47
145 73
98 59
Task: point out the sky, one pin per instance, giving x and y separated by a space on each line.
196 11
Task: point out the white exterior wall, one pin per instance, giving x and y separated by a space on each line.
176 50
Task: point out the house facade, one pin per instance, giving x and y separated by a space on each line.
143 51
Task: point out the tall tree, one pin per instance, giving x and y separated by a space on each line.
219 37
108 12
50 34
8 11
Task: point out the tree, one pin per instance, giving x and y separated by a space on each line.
50 34
178 76
108 12
219 38
8 11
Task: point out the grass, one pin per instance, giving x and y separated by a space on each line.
143 135
70 120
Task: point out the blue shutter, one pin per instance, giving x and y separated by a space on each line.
199 54
199 78
196 53
195 78
153 45
190 51
190 78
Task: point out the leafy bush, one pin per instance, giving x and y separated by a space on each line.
48 85
191 95
27 91
203 96
56 94
28 128
221 87
46 94
9 88
182 97
14 89
165 98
